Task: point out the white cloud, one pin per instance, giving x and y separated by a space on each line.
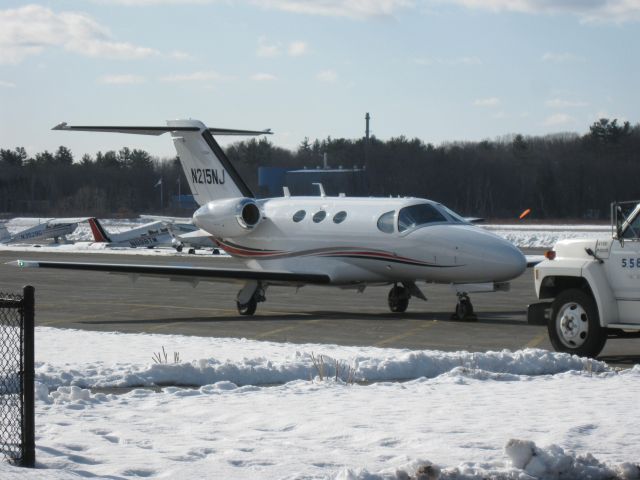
4 84
558 119
31 29
126 79
263 77
337 8
327 76
266 49
491 102
586 10
178 55
194 77
561 103
297 49
563 57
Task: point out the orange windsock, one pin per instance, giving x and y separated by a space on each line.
525 213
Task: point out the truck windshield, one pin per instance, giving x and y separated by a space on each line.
418 215
630 218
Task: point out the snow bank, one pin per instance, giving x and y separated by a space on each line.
125 360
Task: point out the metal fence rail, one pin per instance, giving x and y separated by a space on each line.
17 431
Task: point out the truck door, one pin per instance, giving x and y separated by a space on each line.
623 265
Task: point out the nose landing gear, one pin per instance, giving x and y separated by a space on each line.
464 309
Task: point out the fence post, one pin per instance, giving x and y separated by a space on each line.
29 430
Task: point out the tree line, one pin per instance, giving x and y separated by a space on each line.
556 176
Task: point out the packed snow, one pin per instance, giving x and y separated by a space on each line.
237 408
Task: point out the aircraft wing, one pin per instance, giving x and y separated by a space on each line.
56 221
184 272
167 219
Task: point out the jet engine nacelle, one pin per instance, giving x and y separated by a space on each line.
230 217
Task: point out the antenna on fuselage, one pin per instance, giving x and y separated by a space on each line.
322 194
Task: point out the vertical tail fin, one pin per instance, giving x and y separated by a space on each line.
99 233
209 172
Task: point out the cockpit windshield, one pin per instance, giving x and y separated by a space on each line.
455 218
418 215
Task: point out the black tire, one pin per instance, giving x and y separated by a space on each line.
574 325
179 248
464 310
192 251
248 308
398 299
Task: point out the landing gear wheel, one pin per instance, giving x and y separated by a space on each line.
192 251
248 308
178 248
574 326
464 310
398 299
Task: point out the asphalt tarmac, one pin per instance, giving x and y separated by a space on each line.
106 302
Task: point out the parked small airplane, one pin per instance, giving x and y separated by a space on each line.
149 235
185 234
340 241
54 228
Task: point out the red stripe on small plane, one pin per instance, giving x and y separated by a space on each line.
97 231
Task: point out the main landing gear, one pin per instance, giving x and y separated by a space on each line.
398 298
464 309
249 297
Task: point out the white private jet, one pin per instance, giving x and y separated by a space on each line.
338 241
149 235
55 228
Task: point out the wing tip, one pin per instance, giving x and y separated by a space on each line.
23 264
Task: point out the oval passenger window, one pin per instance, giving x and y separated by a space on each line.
319 216
339 217
299 215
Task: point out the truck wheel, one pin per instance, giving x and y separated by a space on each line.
574 326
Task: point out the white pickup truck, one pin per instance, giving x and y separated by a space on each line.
590 289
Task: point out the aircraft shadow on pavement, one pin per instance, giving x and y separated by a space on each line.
499 317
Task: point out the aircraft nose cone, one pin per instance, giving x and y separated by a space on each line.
507 260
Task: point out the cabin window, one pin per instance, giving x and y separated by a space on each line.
418 215
385 222
339 217
319 216
299 216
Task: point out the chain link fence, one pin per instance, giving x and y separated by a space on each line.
17 432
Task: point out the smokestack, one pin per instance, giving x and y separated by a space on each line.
366 132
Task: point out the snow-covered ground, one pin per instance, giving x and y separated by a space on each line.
235 408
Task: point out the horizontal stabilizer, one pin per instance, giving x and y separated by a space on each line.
157 130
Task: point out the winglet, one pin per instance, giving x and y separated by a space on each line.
61 126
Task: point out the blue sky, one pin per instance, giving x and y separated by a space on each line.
439 70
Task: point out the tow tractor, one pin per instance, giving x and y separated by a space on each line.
590 288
